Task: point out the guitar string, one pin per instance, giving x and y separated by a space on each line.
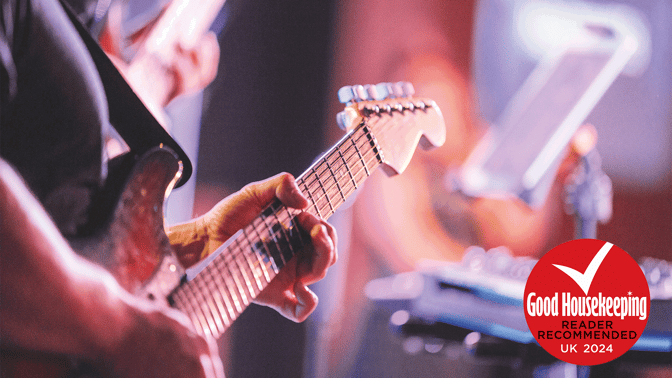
238 251
316 172
214 311
286 217
245 251
204 311
330 156
235 253
217 312
241 268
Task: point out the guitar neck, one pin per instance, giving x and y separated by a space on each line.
241 268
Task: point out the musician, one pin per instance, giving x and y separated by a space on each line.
53 121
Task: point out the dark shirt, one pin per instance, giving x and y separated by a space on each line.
59 97
53 110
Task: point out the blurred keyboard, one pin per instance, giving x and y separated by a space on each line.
484 293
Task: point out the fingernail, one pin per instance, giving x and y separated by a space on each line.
316 230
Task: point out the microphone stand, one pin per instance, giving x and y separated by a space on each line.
589 195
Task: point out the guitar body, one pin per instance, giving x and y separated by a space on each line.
131 245
129 240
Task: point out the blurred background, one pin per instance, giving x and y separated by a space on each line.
272 108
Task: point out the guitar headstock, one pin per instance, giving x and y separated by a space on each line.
398 120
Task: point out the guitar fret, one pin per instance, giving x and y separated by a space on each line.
333 188
250 286
240 269
347 167
294 229
287 252
199 320
311 187
312 200
324 201
337 174
373 143
261 241
195 294
369 144
333 174
214 311
326 195
229 313
239 286
261 263
205 303
221 308
225 293
275 247
193 314
350 181
361 158
182 303
221 265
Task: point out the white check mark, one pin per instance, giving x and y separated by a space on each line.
585 279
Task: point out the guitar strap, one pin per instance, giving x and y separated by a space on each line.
129 116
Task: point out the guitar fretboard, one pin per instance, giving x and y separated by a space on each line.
247 263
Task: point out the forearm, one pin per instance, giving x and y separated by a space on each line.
52 300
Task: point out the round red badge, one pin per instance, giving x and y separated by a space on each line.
586 302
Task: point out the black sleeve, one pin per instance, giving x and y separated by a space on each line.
61 97
53 108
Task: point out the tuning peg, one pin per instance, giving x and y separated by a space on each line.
361 92
372 92
403 89
356 93
342 120
386 90
382 91
346 118
396 91
407 89
346 94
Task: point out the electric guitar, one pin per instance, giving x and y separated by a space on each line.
384 125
